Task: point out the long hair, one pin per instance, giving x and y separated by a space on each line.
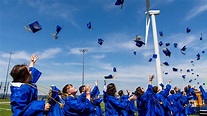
111 89
20 73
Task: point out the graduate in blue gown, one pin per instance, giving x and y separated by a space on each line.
161 97
23 99
123 98
77 106
56 102
203 93
113 106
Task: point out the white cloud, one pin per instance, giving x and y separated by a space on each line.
196 11
49 53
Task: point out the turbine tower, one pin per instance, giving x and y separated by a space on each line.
152 13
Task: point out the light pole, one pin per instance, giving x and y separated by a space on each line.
5 86
83 51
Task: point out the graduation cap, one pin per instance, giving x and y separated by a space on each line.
150 60
138 42
203 83
174 69
188 70
181 70
167 44
89 25
166 73
109 76
175 45
197 75
190 80
201 38
100 41
203 52
166 51
192 62
160 43
188 30
198 83
183 76
114 69
183 49
58 29
166 63
134 52
119 2
198 56
34 27
154 56
191 69
161 34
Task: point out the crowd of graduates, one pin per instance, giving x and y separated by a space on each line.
153 101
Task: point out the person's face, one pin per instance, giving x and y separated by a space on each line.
142 89
71 89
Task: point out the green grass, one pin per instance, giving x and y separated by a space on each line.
5 109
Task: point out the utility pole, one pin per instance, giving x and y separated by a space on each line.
5 86
83 51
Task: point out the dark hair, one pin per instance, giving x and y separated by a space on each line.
81 88
64 90
155 89
121 92
138 92
20 73
111 89
172 91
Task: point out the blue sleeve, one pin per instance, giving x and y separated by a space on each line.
35 74
118 104
203 93
95 92
74 105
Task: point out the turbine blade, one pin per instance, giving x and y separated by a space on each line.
147 5
147 29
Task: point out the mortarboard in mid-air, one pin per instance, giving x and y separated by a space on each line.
166 51
188 30
58 29
119 2
34 27
100 41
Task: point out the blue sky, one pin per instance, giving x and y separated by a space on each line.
60 60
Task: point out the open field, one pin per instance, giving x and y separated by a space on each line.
6 111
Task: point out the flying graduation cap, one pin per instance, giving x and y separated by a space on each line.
154 56
166 63
198 56
174 69
166 51
183 49
134 52
119 2
201 38
110 76
150 60
89 26
160 43
34 27
175 45
188 30
167 44
58 29
100 41
161 34
114 69
138 42
183 76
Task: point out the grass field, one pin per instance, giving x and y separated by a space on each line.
6 111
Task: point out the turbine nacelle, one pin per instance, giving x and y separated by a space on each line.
154 12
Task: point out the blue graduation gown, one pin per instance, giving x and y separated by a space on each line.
23 100
55 109
35 74
113 106
203 93
77 107
131 110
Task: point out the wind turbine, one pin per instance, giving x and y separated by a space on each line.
152 13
